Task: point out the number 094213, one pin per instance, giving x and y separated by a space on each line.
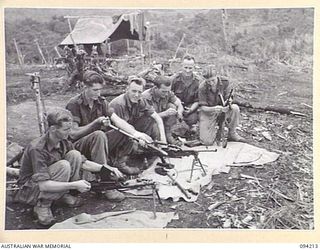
308 246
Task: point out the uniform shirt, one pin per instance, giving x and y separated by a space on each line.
186 89
39 155
158 103
128 111
83 114
207 97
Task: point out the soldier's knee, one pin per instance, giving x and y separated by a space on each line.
74 153
235 108
99 135
64 167
171 105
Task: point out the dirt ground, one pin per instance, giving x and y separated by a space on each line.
279 197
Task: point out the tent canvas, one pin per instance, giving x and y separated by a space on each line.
97 30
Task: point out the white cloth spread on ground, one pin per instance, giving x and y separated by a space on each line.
236 153
121 219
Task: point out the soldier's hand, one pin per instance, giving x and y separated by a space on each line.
117 173
101 120
224 109
104 121
171 111
82 186
186 111
143 138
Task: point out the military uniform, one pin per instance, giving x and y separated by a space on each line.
136 114
42 161
94 145
209 119
162 104
186 89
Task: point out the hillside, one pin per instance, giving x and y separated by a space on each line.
280 34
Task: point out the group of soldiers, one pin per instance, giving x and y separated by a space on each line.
79 145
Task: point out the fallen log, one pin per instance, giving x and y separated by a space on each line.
281 110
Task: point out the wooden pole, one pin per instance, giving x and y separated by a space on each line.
225 37
109 48
141 51
20 58
41 111
56 49
40 51
175 54
149 43
71 37
128 46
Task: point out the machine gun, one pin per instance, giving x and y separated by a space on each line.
174 151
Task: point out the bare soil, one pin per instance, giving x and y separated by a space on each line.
279 197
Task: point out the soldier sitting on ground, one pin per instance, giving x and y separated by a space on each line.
166 104
91 112
211 108
185 85
51 167
135 110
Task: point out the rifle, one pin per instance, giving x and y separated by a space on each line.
222 120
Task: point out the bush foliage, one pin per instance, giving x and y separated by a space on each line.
285 35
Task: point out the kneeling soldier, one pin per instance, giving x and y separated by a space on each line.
51 167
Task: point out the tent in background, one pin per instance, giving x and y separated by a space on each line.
100 31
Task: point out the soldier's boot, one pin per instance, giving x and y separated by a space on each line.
234 136
114 195
42 211
125 169
71 201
